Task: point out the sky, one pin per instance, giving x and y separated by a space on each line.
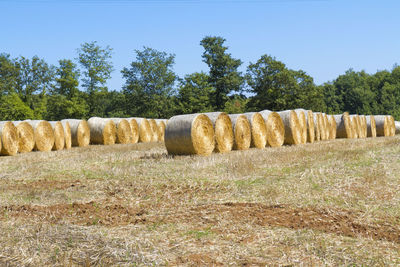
322 37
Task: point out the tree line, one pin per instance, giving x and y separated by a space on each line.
30 88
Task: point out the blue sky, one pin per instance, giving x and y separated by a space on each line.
323 38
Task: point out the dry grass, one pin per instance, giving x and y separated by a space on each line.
328 203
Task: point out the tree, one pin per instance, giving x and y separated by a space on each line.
13 108
149 85
97 70
67 79
8 74
224 75
194 94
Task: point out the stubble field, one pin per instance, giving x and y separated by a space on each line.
329 203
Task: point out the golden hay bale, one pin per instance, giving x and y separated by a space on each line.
343 125
356 126
154 130
59 137
161 129
382 125
310 126
145 133
26 136
317 126
275 128
301 115
326 126
44 135
292 127
135 130
190 134
364 128
80 132
241 132
371 126
332 127
392 127
223 131
9 138
124 131
258 129
320 120
397 126
67 134
102 131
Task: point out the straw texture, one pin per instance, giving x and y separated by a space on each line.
292 127
301 115
102 131
59 138
241 132
258 129
275 128
161 129
26 136
371 126
154 130
190 134
223 131
80 132
67 134
343 126
123 131
332 127
44 135
382 125
135 130
9 138
145 134
392 127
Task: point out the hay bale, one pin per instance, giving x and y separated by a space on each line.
241 132
145 133
44 135
223 131
332 127
397 126
67 134
382 125
320 120
292 127
154 130
123 131
190 134
317 127
102 131
80 132
135 130
371 126
161 129
258 129
326 126
26 136
392 126
301 115
356 126
9 139
343 125
275 128
364 127
59 137
310 126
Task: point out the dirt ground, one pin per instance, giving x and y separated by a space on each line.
329 203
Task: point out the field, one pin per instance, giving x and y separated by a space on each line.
329 203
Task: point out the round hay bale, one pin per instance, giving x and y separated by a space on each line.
332 127
123 131
292 127
392 127
356 126
154 130
223 131
317 127
190 134
310 126
364 128
67 134
26 136
9 138
44 135
303 124
275 128
320 119
397 125
326 126
382 125
161 129
371 126
59 137
343 125
241 132
102 131
135 130
258 130
145 133
80 132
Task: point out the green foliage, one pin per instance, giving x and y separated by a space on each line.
60 107
149 86
236 104
67 79
8 74
194 94
276 87
13 108
224 75
97 70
